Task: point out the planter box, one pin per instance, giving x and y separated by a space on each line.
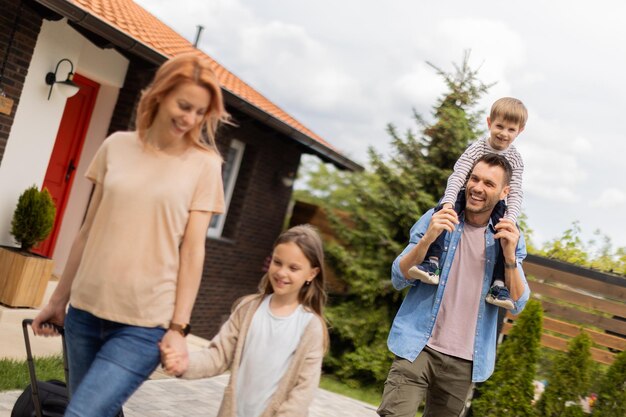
23 277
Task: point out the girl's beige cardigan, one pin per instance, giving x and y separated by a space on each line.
296 388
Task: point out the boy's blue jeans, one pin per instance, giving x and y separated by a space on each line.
437 247
108 361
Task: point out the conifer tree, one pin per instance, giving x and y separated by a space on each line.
382 203
611 400
33 217
569 379
510 390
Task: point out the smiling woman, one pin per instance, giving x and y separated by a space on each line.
135 267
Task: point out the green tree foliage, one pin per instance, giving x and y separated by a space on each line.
596 253
33 217
611 400
377 208
569 380
510 390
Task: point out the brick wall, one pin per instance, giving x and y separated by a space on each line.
257 211
138 76
18 58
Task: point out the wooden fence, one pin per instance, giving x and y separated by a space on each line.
573 298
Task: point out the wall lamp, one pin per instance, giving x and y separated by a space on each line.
66 87
287 179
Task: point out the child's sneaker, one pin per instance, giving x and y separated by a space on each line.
427 272
499 296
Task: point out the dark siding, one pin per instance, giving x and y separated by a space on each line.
234 263
19 56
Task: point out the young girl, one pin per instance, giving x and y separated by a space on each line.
134 269
274 342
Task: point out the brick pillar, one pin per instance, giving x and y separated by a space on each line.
18 57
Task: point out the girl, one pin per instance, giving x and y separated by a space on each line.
135 267
274 342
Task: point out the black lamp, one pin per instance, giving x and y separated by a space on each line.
67 87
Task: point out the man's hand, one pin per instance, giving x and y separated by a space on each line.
443 220
508 234
174 354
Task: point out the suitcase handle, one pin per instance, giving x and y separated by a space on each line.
29 322
31 363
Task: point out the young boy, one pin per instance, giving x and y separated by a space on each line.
506 120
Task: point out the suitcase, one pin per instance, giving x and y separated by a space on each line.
41 398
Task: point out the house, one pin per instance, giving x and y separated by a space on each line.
113 48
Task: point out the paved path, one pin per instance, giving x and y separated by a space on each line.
173 397
161 396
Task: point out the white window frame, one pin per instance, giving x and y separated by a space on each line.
237 146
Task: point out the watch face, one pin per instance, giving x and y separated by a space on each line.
186 329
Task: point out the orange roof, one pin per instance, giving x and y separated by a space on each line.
134 21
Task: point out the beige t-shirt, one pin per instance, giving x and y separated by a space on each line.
455 327
130 264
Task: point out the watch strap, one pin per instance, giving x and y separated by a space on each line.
183 329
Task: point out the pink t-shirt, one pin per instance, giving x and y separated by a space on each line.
455 327
130 264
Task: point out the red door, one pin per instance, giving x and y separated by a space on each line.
66 153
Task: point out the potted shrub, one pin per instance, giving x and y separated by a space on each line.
24 275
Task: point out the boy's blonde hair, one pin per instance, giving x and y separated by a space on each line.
511 110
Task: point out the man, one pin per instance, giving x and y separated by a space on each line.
444 336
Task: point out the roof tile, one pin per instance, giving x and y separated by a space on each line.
133 20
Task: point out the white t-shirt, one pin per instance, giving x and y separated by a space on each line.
267 353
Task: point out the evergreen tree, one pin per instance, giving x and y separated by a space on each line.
33 217
510 390
380 205
611 400
569 379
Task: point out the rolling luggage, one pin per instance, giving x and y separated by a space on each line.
41 398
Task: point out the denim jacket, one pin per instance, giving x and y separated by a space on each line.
413 324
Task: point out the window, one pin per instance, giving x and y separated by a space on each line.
229 176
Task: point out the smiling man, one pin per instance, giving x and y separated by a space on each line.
444 336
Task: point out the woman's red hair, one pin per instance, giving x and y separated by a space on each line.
184 68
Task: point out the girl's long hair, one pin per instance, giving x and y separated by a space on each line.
313 296
185 68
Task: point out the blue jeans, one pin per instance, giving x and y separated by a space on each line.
437 247
108 361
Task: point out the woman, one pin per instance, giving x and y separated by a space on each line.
135 267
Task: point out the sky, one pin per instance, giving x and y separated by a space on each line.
347 68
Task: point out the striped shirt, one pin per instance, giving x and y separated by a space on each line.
466 162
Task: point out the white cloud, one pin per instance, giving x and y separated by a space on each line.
610 198
345 75
552 174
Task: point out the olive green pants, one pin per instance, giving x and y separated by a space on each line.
443 380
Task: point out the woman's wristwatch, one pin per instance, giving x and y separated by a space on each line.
183 329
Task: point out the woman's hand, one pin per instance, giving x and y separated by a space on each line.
51 313
174 354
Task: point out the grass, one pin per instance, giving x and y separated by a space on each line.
370 395
14 374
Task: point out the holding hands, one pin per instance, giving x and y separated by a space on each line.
174 354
